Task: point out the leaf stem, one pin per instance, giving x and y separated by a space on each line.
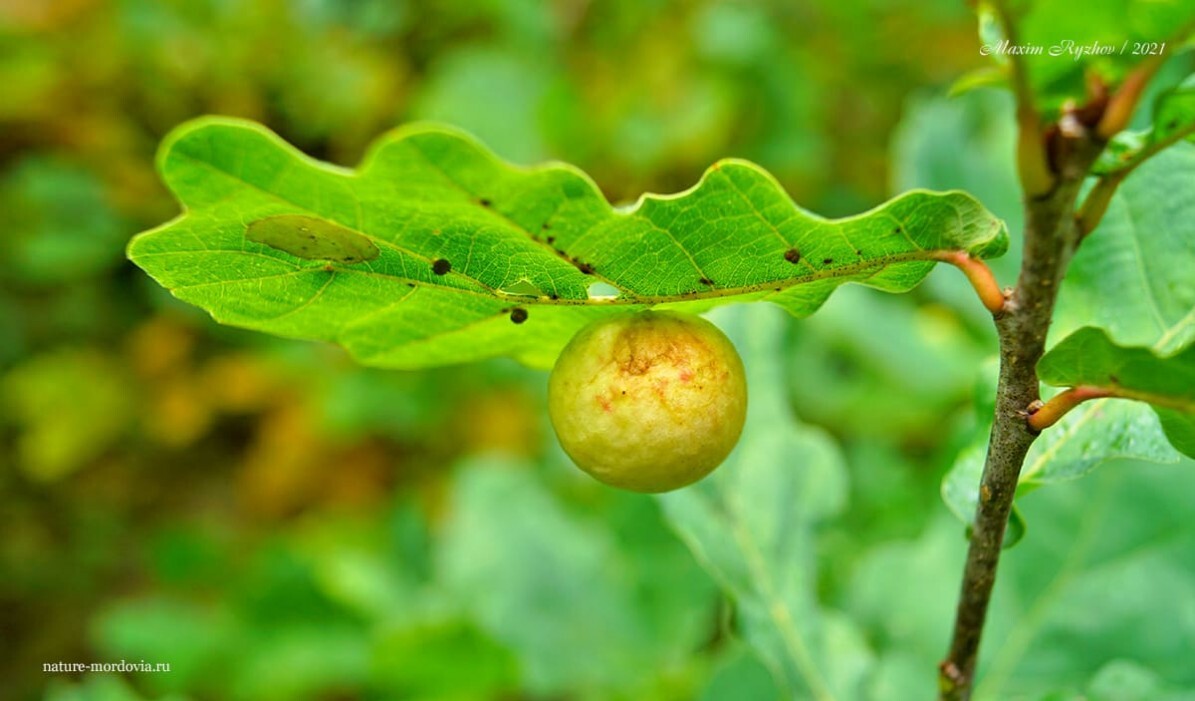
1097 201
1124 101
1060 404
981 278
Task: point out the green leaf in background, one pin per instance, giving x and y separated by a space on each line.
1090 358
425 662
465 239
148 628
561 594
751 524
99 687
69 406
1107 574
741 675
1100 40
59 225
1173 120
1125 680
872 365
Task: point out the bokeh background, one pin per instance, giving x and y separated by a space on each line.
278 523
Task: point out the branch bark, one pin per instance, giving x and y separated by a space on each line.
1051 236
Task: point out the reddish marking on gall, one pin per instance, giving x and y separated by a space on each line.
605 403
685 375
661 388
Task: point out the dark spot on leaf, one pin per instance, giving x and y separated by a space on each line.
1172 124
441 266
897 230
553 296
777 289
545 226
858 253
551 240
827 261
706 281
584 267
328 268
484 202
410 284
1115 380
518 315
792 255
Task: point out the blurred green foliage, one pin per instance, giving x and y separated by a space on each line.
277 523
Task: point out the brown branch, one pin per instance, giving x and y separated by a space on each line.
1051 237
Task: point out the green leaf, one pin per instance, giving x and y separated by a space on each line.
1090 358
1132 276
1173 119
70 406
98 687
1125 680
425 662
1108 572
557 591
464 240
1107 38
60 227
1099 579
751 524
147 628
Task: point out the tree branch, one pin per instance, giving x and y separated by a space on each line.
1051 237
